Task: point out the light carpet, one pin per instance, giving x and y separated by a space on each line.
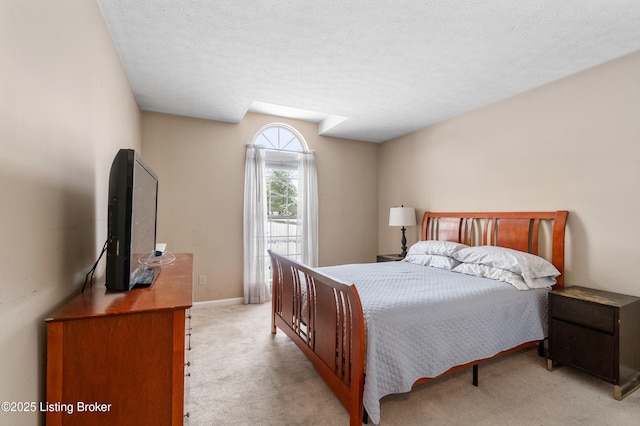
241 374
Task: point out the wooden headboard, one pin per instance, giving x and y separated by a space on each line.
516 230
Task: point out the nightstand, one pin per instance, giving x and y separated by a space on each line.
597 332
389 257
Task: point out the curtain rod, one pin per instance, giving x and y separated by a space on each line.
279 150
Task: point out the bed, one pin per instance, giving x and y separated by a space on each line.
472 289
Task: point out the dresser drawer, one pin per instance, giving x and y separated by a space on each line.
584 348
579 312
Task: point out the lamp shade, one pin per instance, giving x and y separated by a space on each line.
402 216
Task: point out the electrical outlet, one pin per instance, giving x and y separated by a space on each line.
202 280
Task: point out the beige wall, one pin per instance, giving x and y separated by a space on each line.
200 164
65 108
573 144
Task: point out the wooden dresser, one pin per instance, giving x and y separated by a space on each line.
118 358
598 332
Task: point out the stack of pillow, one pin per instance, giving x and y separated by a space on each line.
520 269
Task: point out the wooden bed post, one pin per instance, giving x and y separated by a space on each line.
559 226
275 281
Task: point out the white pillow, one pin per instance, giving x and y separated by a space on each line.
439 248
528 265
434 260
542 282
484 271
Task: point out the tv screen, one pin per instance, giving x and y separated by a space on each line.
132 218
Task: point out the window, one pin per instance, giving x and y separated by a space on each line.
281 205
280 137
282 231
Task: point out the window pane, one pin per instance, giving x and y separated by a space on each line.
280 138
282 209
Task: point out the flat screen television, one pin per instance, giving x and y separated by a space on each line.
131 222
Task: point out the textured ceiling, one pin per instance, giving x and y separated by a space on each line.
365 70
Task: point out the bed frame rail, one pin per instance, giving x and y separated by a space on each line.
324 318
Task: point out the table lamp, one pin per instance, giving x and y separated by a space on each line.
402 216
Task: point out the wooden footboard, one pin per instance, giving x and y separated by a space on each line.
324 318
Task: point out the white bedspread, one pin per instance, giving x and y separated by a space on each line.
421 321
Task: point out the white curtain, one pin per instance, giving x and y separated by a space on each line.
255 216
308 207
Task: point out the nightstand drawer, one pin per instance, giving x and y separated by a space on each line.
598 317
584 348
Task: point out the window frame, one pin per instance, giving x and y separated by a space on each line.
280 156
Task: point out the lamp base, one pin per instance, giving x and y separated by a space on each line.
404 243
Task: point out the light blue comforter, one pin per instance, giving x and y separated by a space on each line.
421 321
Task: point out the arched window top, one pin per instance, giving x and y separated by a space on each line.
280 137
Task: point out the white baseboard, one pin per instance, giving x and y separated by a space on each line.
218 303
